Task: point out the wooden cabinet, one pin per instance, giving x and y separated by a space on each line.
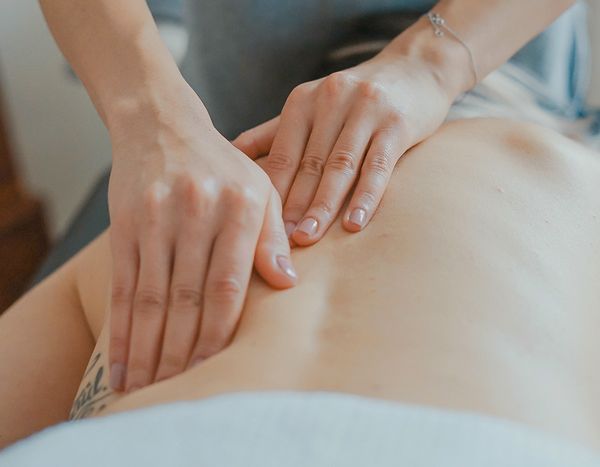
23 237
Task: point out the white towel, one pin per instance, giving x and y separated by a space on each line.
293 429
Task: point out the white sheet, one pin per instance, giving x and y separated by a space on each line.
295 429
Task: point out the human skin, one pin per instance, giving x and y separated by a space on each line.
167 154
474 288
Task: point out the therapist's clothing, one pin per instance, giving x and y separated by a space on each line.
245 56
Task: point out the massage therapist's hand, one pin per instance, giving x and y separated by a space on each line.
189 215
351 126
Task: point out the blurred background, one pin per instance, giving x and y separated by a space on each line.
59 147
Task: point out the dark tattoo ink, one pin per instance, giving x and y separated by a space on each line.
89 399
92 364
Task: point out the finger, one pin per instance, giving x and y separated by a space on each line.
257 141
385 150
124 272
340 173
185 299
149 309
325 131
289 142
272 259
227 280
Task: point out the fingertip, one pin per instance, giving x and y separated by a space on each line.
307 232
277 270
286 266
355 220
300 238
350 227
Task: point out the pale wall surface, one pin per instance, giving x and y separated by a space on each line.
595 35
61 143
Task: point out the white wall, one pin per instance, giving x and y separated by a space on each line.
60 142
594 96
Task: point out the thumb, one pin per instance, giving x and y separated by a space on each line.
257 141
272 258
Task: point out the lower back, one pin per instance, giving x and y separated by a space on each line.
473 288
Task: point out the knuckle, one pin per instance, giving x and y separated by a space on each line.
184 297
154 199
243 196
379 164
342 161
149 301
279 162
196 196
246 140
312 164
298 94
397 121
324 206
371 91
225 289
335 84
121 295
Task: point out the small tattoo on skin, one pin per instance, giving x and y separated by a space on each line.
90 399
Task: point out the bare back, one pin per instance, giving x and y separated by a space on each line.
475 288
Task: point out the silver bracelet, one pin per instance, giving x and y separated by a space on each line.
439 24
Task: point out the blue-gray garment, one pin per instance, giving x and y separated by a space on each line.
246 55
166 10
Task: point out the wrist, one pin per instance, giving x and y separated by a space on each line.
155 107
445 58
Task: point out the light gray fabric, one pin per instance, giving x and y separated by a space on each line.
246 56
295 430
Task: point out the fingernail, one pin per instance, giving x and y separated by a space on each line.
289 227
358 216
308 226
117 376
286 266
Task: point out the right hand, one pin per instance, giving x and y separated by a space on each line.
190 214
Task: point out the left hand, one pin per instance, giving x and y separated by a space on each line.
353 124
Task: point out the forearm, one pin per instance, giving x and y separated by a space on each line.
493 30
117 52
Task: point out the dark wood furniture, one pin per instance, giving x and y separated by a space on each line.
23 236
